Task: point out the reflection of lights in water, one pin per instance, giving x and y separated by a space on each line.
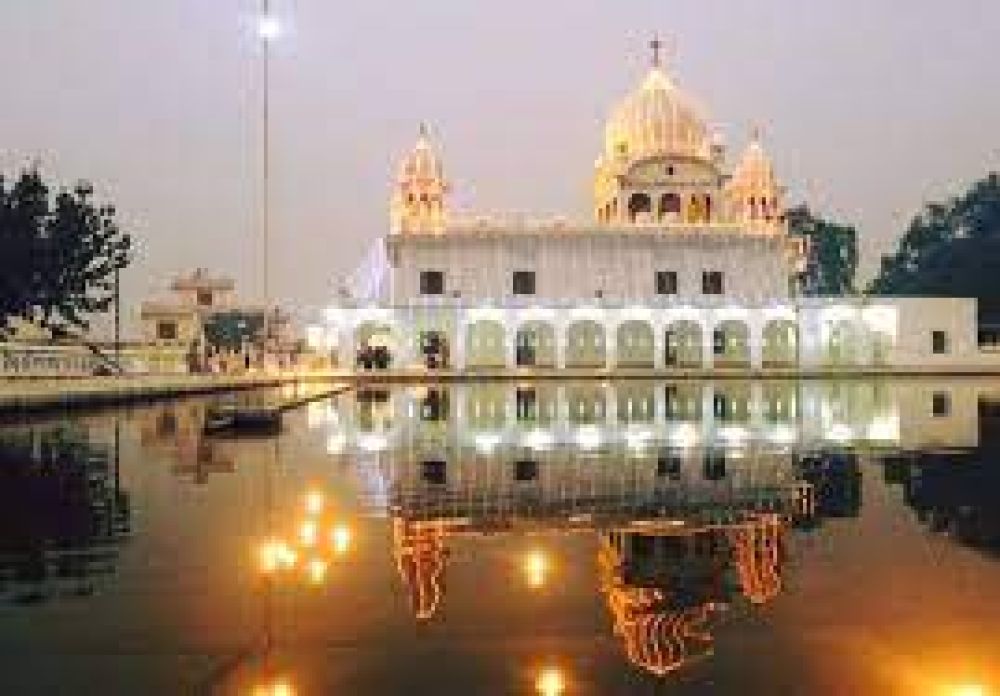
536 568
340 537
838 432
683 435
589 437
286 555
538 440
637 439
966 690
734 435
269 556
280 687
373 442
782 435
307 533
487 442
335 443
884 428
316 569
314 502
550 682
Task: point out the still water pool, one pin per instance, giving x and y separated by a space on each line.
632 537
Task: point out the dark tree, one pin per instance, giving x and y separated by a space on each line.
949 249
833 252
60 254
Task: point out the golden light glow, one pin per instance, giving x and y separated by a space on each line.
550 682
286 555
307 533
277 688
968 690
536 568
340 537
269 556
314 502
317 571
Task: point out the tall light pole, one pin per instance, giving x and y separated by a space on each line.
268 31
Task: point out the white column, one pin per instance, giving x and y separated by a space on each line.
659 344
755 339
559 328
610 344
707 343
510 342
345 346
461 332
610 405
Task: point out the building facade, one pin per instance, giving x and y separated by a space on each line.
686 262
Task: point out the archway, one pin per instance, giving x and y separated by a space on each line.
731 344
634 344
844 343
585 344
375 346
639 206
485 345
683 345
535 345
670 206
780 343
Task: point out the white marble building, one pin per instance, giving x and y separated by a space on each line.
686 262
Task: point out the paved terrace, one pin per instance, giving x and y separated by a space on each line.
21 395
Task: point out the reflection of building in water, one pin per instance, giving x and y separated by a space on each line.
666 586
633 418
420 553
62 513
955 493
178 430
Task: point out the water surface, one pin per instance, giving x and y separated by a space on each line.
500 538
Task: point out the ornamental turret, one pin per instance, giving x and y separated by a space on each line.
754 195
419 192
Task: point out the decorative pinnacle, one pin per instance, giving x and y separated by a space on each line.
656 45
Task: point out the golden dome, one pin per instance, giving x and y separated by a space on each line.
657 119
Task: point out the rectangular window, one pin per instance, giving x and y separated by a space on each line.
205 298
431 283
666 282
940 405
166 330
939 342
524 282
718 342
711 283
525 470
434 471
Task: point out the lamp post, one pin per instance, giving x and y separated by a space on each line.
268 31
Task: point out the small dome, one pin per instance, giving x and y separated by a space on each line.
657 119
422 163
755 171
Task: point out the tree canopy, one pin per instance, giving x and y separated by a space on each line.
950 249
833 252
60 252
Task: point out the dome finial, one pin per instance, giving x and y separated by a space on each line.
656 45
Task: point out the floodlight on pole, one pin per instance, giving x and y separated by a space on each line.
269 26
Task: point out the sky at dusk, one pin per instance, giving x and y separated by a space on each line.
869 108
